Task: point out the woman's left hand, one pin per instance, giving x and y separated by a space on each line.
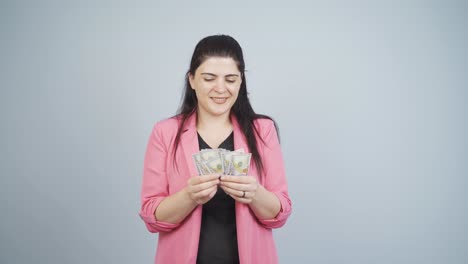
241 188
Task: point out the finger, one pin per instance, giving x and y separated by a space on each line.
204 185
238 179
240 199
210 176
234 192
203 200
202 179
239 186
228 191
205 178
205 193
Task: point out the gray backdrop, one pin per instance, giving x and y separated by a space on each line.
370 98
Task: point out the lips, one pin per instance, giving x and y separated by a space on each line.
219 100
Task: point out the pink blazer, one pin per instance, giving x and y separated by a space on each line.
178 243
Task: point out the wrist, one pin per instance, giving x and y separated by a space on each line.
186 196
258 193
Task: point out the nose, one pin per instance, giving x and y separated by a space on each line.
220 86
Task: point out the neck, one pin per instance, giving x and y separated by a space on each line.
205 121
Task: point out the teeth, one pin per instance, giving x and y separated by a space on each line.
219 100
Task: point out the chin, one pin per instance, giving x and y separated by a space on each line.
219 112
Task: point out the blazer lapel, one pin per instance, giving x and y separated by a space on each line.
189 143
240 142
239 139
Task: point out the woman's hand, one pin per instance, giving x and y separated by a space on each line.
241 188
202 188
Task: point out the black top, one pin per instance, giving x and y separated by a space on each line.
218 235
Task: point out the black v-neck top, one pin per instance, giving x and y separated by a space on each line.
218 235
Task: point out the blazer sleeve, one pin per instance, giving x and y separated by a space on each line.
155 184
275 175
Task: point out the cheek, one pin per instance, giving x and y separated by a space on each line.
234 91
203 88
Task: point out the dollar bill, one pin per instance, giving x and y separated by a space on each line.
215 165
208 154
222 161
202 169
240 164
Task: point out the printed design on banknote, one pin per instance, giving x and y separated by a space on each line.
222 161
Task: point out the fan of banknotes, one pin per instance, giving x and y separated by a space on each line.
222 161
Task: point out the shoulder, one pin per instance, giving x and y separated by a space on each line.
262 123
265 126
167 124
166 130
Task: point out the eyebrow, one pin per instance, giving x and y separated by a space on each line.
211 74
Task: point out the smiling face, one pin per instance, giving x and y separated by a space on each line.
216 83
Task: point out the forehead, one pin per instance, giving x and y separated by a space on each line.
218 66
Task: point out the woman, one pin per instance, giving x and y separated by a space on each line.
214 218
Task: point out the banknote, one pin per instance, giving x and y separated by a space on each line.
202 169
222 161
227 159
215 165
240 163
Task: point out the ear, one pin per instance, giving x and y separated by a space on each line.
190 78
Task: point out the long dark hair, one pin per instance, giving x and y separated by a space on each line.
222 46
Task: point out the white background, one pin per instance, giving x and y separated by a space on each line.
370 98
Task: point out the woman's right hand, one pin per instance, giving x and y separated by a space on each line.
202 188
